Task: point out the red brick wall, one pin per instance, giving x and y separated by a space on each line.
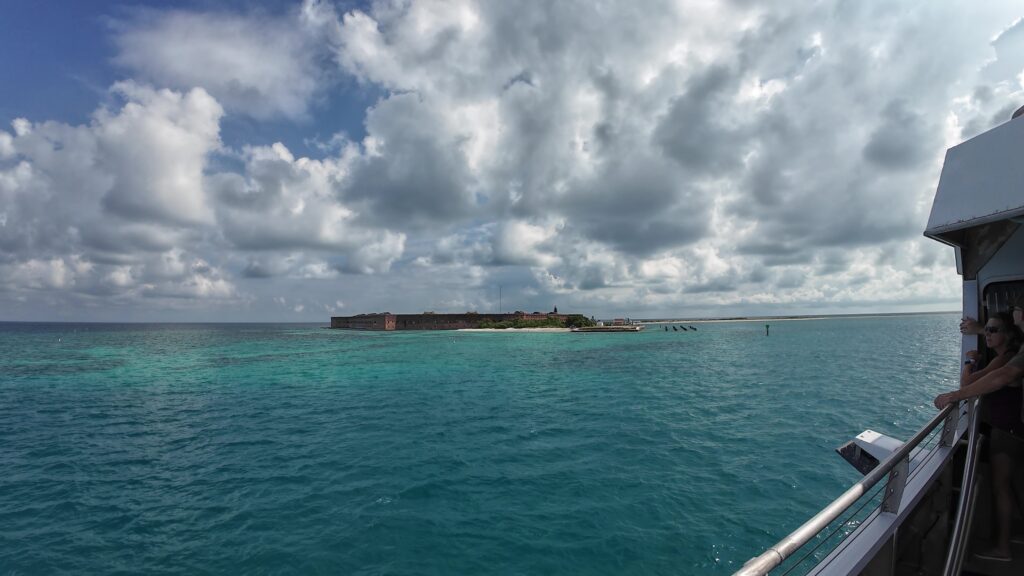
428 321
364 322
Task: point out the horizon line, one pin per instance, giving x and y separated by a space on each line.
647 320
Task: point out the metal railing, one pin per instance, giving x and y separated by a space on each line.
895 467
968 496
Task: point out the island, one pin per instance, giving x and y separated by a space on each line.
386 321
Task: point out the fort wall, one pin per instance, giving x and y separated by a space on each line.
387 321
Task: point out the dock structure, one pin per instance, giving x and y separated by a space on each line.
613 328
386 321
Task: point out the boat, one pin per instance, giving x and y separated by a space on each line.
927 498
694 328
674 329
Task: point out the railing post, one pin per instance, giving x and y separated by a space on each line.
895 485
949 426
968 495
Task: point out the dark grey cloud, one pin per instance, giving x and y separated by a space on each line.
128 237
696 132
591 278
767 246
282 205
790 279
535 156
716 285
416 173
638 206
979 123
831 262
902 140
777 260
257 269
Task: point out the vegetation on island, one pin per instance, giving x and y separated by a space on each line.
572 321
578 321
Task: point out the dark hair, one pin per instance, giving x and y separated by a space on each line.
1013 333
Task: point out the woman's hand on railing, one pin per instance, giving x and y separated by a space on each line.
969 325
943 400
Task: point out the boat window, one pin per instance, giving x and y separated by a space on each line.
999 296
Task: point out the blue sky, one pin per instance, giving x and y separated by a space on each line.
60 56
294 160
57 57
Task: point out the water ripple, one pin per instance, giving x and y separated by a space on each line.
209 449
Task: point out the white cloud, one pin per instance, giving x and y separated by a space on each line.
253 64
156 148
120 277
716 155
131 201
130 180
780 125
413 168
201 282
6 145
283 203
518 242
47 274
114 208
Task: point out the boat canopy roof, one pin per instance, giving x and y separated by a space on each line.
982 182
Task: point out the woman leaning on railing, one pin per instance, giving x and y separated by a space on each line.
999 382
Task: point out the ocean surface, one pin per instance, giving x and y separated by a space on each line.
293 449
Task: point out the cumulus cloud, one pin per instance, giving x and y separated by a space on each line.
522 243
413 169
155 148
255 64
281 203
129 181
755 145
686 154
127 207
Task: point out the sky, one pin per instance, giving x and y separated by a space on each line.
290 161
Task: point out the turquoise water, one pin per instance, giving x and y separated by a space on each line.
280 449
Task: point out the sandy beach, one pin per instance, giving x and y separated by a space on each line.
513 330
787 318
725 320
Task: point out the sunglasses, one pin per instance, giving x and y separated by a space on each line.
992 329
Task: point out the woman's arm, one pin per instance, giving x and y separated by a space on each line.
970 376
986 384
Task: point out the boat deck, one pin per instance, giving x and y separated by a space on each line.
974 566
981 536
